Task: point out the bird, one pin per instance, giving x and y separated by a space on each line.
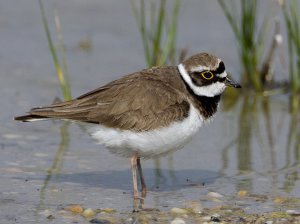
147 113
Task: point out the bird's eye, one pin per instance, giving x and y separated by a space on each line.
207 75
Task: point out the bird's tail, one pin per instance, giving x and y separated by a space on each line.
37 114
60 110
30 117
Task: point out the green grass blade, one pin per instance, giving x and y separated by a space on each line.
169 48
158 33
158 38
63 55
231 19
141 22
60 74
290 13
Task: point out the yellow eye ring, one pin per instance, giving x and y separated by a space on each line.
207 75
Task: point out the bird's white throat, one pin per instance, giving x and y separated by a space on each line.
210 90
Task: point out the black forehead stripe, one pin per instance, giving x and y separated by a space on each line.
220 69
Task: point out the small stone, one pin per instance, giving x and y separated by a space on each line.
100 221
279 200
109 210
215 218
106 220
105 210
143 219
206 218
269 222
178 221
214 196
216 200
260 220
242 220
228 211
88 213
293 212
75 208
178 211
50 217
194 206
63 212
242 193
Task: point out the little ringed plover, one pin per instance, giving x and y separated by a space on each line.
149 112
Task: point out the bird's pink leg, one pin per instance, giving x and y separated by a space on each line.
143 183
133 161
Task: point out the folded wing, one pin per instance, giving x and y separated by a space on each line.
138 102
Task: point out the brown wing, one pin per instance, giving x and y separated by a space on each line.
139 102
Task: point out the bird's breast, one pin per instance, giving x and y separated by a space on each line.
153 142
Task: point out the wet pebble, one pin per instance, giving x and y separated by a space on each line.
241 220
106 220
212 194
100 221
50 217
179 211
242 193
215 218
260 220
206 218
88 213
279 200
178 221
75 208
194 206
293 212
144 220
105 210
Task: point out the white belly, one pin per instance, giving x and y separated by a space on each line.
150 143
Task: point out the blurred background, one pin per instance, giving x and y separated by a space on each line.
65 48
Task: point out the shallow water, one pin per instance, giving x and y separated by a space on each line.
252 144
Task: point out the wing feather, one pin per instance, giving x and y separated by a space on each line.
139 102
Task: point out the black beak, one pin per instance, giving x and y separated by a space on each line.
229 82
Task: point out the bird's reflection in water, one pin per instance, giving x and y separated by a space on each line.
138 203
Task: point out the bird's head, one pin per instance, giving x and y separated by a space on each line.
205 74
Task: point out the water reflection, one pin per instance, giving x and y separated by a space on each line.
264 140
57 163
293 143
160 177
292 149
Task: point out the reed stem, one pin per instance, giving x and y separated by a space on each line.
158 37
64 82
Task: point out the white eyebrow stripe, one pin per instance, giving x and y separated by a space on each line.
223 75
199 68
